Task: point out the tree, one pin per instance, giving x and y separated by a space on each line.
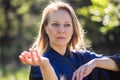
100 19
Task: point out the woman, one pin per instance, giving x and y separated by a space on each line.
61 45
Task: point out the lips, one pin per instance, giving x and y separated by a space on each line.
60 37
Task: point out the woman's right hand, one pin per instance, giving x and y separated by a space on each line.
32 57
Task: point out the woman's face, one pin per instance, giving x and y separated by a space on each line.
59 28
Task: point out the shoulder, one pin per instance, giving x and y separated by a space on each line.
86 55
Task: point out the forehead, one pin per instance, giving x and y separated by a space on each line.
59 15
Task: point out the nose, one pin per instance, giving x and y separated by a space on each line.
61 29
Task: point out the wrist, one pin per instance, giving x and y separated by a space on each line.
95 63
45 63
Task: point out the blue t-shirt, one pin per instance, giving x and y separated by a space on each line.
71 61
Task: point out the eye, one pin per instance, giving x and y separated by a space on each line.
67 25
55 24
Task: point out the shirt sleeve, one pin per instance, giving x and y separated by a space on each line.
102 74
35 73
88 55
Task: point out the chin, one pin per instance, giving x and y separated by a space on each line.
62 44
59 43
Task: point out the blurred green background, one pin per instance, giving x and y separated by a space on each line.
19 25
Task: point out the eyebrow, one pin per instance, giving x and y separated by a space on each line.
65 21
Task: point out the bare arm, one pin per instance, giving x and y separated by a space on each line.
48 72
86 69
106 63
32 57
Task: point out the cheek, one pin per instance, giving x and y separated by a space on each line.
70 32
51 33
48 30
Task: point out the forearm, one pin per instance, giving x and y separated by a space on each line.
106 63
48 72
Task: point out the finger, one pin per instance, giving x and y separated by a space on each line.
29 53
80 73
85 72
37 54
31 49
74 76
77 74
27 57
22 59
34 57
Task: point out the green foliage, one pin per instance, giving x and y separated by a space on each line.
104 12
100 3
19 74
101 21
19 25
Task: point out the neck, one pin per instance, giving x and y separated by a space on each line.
60 49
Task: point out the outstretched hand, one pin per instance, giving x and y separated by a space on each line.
84 70
32 57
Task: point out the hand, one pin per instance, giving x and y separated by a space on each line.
84 70
32 57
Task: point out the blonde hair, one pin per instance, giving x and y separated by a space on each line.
77 40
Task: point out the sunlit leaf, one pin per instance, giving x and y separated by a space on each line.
102 3
23 9
95 10
96 18
83 11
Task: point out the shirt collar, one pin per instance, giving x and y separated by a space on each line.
51 50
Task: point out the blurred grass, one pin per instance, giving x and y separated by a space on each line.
17 73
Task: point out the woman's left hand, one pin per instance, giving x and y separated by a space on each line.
84 70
